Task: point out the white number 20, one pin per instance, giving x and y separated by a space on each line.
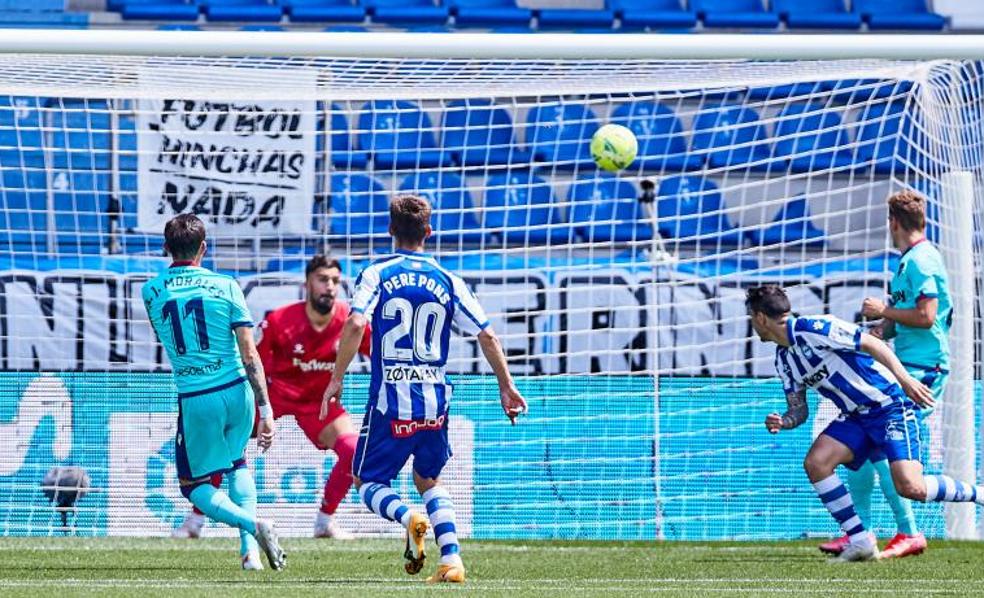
427 323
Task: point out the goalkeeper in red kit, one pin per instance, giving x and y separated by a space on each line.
297 345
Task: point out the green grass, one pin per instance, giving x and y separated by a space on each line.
153 567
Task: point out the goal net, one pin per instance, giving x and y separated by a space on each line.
619 297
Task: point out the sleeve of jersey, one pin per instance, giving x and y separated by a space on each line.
238 311
468 314
786 376
832 333
922 282
366 290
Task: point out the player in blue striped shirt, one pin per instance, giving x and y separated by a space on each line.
202 320
875 395
413 303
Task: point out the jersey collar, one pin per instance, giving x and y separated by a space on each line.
412 253
913 246
181 264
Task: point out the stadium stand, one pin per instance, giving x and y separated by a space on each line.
520 208
359 206
662 145
691 210
898 14
398 134
557 18
656 14
319 11
791 224
810 136
816 14
477 133
605 209
482 13
560 133
406 12
735 14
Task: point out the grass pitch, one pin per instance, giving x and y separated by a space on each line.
153 567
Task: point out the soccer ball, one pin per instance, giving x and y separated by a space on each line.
613 147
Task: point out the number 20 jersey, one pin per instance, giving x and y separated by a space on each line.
195 312
412 302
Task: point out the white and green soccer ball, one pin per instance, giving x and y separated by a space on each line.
614 147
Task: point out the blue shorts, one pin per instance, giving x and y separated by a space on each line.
935 379
889 433
213 430
385 445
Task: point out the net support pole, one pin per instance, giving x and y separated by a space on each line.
958 405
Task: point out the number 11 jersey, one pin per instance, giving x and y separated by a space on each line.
195 312
412 302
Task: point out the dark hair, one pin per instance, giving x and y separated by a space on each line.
183 236
409 217
908 208
319 261
768 299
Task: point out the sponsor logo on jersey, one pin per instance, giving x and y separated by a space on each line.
209 368
314 365
413 373
816 377
898 296
405 428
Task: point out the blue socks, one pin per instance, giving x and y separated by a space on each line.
386 503
242 491
440 510
215 504
943 488
838 501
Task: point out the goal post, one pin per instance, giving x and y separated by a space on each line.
618 297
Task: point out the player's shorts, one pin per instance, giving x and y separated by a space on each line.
306 410
888 433
935 379
214 427
385 445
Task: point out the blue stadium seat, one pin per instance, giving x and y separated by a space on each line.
898 14
359 207
454 219
158 10
560 134
398 134
477 133
307 11
791 225
243 11
520 208
80 134
745 14
568 18
811 137
690 210
22 119
655 14
406 12
881 137
816 14
607 209
733 135
660 135
343 155
23 210
81 200
489 13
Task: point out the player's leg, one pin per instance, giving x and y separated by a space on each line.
842 443
193 526
335 433
431 453
860 484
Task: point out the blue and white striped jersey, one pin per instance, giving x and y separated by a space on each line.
826 355
412 302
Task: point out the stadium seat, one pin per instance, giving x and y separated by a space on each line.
478 133
80 135
569 18
454 220
816 14
81 200
811 137
654 14
660 136
690 210
398 134
881 138
898 14
343 155
22 119
790 226
359 207
243 11
732 135
406 12
159 10
742 14
308 11
520 209
23 210
560 134
486 13
607 209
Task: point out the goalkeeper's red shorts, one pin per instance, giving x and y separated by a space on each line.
286 400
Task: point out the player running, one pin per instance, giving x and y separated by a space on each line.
413 302
918 318
872 389
297 345
202 320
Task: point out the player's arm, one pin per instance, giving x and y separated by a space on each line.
348 347
265 428
513 403
916 390
921 316
796 413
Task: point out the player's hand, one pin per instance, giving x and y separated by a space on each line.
872 308
266 429
333 394
878 331
513 403
773 423
918 392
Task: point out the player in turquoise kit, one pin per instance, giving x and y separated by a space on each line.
203 323
918 318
